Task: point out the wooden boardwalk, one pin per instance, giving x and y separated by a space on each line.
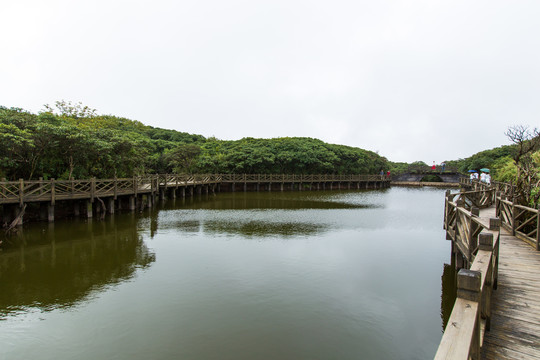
496 247
515 322
515 305
141 191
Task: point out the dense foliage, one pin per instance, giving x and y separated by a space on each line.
484 159
73 141
518 164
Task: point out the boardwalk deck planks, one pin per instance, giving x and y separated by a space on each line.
513 329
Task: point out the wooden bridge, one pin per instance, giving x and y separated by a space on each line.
417 177
495 244
78 196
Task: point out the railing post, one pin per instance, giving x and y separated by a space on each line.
469 283
115 187
513 210
92 189
485 241
446 209
4 186
52 192
497 204
21 192
495 225
472 242
538 228
135 186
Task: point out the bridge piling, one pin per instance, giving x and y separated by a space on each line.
110 207
50 212
89 208
132 203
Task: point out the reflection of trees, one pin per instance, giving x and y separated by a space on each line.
268 200
449 292
65 264
262 228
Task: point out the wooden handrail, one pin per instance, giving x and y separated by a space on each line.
471 314
470 317
522 221
50 190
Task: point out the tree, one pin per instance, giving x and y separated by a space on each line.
15 147
183 158
71 140
69 109
527 178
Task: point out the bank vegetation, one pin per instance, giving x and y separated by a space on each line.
72 141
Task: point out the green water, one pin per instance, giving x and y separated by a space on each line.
293 275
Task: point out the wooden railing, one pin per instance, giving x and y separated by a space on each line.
505 190
461 220
473 199
22 191
298 178
478 241
471 314
168 180
522 221
51 190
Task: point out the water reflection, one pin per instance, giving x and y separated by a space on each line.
264 229
48 267
269 200
448 293
358 275
264 214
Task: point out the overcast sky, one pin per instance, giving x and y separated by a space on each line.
414 80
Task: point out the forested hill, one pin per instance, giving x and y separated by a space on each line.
80 144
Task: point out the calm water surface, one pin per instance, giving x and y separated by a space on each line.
294 275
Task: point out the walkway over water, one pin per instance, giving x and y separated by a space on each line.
495 243
515 323
141 191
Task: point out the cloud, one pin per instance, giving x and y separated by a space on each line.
419 80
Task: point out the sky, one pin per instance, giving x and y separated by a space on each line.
412 80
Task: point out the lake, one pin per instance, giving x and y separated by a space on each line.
281 275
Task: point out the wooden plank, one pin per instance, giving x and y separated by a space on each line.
515 324
457 336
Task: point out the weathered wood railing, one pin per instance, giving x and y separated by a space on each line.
298 178
22 191
522 221
461 220
51 190
168 180
478 241
471 314
471 199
